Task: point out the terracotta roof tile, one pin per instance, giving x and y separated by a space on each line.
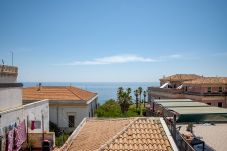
119 135
61 93
96 132
208 80
181 77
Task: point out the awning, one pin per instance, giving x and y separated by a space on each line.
192 111
200 114
164 85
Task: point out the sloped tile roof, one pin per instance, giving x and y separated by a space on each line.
96 133
208 80
61 93
119 135
181 77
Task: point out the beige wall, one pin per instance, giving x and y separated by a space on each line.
10 98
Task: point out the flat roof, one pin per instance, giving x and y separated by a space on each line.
215 139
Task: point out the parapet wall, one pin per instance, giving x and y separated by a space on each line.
8 74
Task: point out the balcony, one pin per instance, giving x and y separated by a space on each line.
166 90
206 93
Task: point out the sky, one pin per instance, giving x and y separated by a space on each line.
113 40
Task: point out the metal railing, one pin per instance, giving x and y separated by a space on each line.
206 93
167 90
180 141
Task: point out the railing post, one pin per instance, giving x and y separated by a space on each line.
174 127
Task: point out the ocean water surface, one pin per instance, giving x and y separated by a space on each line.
105 90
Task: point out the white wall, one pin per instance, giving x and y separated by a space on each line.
8 79
34 111
16 115
10 98
63 112
9 118
92 107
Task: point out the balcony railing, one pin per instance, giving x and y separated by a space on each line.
206 93
167 90
180 141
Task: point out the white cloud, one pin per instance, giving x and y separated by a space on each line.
118 59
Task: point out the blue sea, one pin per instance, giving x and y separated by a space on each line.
105 90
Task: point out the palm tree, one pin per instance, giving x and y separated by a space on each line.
136 94
129 90
119 92
124 99
144 97
140 90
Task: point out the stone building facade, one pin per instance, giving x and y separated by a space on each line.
210 90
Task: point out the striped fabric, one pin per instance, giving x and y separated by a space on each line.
20 135
9 141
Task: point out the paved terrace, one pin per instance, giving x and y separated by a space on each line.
215 136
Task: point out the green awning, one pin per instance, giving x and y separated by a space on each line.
200 114
191 111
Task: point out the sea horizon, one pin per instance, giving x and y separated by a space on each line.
105 90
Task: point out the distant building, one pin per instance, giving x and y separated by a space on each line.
68 105
15 117
210 90
145 133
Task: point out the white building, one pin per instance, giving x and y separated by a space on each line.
13 113
68 105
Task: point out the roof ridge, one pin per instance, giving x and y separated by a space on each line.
68 88
118 134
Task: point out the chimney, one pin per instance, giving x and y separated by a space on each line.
40 86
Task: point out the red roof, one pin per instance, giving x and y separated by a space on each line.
57 93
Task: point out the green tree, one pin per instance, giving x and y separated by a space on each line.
140 90
109 109
144 97
137 99
124 99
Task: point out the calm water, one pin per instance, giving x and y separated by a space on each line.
105 90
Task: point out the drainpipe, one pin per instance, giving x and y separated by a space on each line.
27 129
174 126
57 114
0 143
43 127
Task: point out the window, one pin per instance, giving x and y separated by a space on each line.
209 89
208 103
186 88
220 89
71 120
219 104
